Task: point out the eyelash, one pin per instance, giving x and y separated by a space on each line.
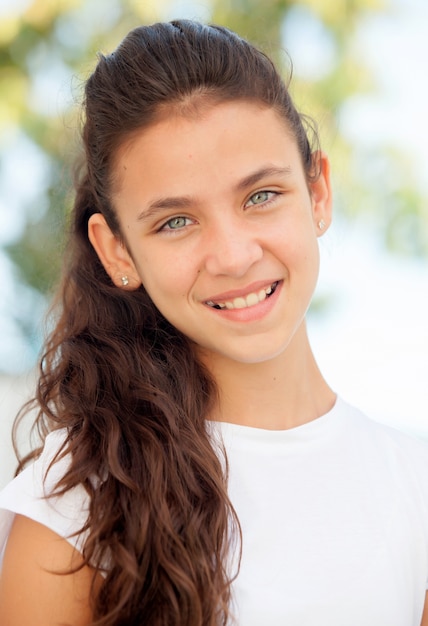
272 195
165 228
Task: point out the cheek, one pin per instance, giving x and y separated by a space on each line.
295 245
302 260
165 279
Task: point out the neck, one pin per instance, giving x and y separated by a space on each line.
278 394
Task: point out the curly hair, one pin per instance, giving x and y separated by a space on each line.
123 382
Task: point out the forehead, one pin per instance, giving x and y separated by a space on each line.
209 140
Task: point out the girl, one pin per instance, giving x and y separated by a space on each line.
197 469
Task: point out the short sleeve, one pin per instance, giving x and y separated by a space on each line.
26 495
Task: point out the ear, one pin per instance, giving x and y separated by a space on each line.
321 193
112 253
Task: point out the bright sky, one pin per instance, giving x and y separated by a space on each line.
396 47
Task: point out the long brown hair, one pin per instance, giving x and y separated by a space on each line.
126 384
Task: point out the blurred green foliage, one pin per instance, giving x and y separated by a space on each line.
60 39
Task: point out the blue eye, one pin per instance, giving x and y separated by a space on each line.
261 197
176 223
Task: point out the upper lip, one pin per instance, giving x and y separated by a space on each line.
241 293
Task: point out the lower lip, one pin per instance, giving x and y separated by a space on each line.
250 313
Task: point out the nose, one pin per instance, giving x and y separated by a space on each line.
231 248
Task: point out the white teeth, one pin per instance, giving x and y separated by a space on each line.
241 303
252 299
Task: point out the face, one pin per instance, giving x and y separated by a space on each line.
221 228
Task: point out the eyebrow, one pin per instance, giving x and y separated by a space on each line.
173 202
184 202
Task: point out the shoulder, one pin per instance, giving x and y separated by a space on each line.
368 427
32 495
44 580
40 537
403 455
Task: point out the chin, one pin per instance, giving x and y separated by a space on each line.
255 356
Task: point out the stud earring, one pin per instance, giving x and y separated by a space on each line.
321 224
125 281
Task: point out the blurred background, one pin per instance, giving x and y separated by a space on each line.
359 68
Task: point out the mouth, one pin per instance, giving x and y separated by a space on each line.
244 302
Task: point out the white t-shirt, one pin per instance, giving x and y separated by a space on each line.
334 517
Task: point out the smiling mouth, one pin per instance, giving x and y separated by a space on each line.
243 302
